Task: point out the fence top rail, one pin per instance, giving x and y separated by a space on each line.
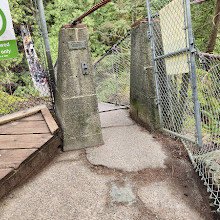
208 55
196 2
113 48
103 56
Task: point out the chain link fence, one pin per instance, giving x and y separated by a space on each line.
24 81
187 83
112 73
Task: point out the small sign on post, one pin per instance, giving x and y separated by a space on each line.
8 44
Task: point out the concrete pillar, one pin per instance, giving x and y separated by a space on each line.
75 100
143 108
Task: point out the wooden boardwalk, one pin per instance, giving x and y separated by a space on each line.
28 140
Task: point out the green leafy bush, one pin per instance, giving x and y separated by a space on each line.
9 103
14 91
26 87
209 101
26 91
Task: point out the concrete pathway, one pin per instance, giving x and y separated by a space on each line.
135 175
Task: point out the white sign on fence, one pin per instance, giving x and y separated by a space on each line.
8 44
174 36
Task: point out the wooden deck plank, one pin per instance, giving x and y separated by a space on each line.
5 172
21 114
32 165
28 140
36 117
24 127
51 123
23 141
13 158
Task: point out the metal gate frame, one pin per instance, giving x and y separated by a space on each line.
191 62
177 103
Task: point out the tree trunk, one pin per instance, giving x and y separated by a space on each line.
214 32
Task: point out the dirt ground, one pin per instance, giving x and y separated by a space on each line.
182 173
183 177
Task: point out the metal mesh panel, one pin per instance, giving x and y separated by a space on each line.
207 158
208 82
112 74
188 91
173 72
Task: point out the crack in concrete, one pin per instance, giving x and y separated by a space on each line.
118 126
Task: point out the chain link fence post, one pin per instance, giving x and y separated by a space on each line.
193 72
115 72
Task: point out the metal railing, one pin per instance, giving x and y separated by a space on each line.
112 73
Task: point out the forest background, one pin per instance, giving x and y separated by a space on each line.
106 25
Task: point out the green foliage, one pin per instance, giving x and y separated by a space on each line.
106 90
20 85
209 105
209 102
9 103
8 82
106 25
202 20
26 88
26 91
14 91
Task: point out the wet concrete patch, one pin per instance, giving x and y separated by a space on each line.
122 194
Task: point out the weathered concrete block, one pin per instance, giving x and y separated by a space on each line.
70 80
76 101
142 87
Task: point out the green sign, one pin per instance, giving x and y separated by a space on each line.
8 44
4 22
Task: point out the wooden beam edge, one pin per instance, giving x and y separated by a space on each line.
8 174
21 114
51 123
